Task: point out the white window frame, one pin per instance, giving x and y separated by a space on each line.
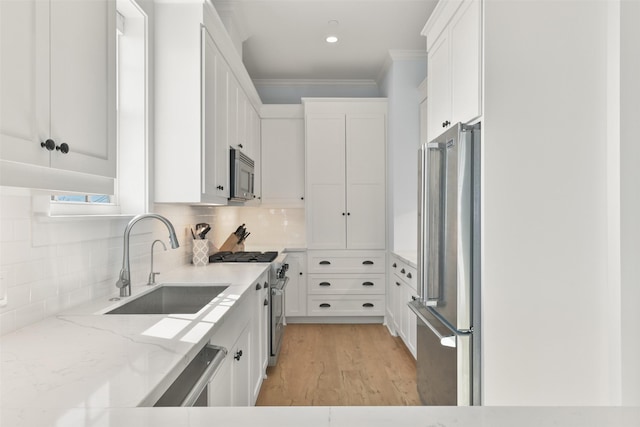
132 182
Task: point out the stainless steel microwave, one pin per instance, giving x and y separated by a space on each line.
242 179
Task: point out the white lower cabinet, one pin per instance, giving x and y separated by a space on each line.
401 290
295 303
346 283
260 335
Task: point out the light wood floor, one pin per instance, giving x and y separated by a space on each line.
340 365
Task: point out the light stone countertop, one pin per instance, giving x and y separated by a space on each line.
410 257
83 359
85 369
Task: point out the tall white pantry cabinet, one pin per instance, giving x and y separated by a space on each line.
345 202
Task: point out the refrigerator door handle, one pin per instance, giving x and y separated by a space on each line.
445 340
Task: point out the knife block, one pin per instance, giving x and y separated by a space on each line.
231 244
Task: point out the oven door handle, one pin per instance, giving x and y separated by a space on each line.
206 376
278 289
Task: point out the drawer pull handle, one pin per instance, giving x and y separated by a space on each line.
258 286
367 305
367 262
402 271
367 283
409 275
325 263
325 305
324 284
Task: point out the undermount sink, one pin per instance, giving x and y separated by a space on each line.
167 299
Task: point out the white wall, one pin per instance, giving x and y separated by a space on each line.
271 228
291 91
544 204
630 201
400 86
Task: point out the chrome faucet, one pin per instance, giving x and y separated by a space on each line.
153 274
124 282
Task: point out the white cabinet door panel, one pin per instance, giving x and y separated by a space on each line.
24 86
366 220
283 161
465 63
83 85
439 87
326 181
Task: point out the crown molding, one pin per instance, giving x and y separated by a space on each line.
399 55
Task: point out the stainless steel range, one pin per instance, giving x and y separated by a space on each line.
277 282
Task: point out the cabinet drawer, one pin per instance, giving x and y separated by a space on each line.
404 272
346 261
345 305
320 284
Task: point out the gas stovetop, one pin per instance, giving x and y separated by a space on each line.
243 256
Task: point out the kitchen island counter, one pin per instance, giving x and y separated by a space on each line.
84 359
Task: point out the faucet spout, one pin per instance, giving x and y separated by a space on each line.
124 281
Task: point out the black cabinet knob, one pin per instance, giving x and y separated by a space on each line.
240 145
258 286
302 198
63 148
238 355
394 265
397 284
300 273
49 144
409 275
402 271
343 214
348 213
266 301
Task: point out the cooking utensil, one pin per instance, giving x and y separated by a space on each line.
204 231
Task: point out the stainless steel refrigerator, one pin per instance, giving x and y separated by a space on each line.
448 306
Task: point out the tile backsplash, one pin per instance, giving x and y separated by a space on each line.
48 265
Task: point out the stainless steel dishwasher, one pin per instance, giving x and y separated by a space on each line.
191 386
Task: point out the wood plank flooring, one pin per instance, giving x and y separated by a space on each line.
340 365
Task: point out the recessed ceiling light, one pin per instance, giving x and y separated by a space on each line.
332 39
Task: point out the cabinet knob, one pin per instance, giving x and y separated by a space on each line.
409 275
302 198
446 123
258 286
402 271
63 148
397 284
49 144
394 265
266 302
238 355
300 273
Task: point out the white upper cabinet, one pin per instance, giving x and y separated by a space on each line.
282 155
192 108
346 174
58 91
454 57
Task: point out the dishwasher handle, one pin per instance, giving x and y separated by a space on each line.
206 376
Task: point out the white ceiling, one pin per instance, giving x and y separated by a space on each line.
285 39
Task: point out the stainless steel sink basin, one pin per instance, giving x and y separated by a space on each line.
169 299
